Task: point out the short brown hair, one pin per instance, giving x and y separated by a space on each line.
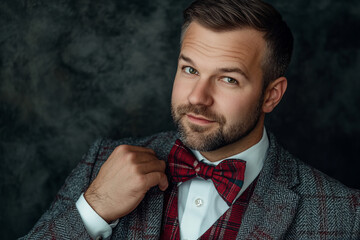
225 15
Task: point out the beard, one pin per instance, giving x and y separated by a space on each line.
206 138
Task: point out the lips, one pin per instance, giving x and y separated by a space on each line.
198 119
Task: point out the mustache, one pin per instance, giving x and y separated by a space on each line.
200 110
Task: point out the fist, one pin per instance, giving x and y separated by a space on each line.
123 181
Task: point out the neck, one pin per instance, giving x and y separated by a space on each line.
237 147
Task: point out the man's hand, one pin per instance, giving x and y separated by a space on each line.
123 181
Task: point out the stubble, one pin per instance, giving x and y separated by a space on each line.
218 134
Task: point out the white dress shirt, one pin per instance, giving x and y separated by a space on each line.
199 204
96 226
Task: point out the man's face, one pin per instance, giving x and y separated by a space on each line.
217 93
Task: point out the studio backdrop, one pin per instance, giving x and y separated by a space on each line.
72 71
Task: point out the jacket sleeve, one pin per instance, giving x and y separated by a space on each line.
62 220
356 228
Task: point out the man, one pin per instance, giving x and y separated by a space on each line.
227 178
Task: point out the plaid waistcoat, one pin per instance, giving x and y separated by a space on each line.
226 226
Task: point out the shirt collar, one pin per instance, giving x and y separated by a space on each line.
254 155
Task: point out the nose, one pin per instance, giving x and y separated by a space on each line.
201 93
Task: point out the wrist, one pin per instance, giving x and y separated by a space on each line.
98 204
95 225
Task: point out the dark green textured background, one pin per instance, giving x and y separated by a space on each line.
75 70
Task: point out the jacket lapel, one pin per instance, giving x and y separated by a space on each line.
273 204
145 221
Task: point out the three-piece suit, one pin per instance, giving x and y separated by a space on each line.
291 200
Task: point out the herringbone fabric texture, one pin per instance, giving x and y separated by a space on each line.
291 200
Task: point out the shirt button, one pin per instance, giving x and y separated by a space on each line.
199 202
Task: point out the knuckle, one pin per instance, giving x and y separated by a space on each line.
122 148
135 169
130 157
140 180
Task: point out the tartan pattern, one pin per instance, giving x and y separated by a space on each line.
228 176
170 224
226 227
291 200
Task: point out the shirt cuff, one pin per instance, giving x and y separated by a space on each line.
96 226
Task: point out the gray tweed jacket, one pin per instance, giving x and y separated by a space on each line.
291 200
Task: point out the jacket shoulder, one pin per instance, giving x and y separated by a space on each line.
325 204
305 178
314 181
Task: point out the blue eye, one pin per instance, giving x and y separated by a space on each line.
190 70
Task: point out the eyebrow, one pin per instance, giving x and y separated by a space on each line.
221 70
186 59
230 70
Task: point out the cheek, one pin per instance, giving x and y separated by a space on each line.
176 92
180 91
234 108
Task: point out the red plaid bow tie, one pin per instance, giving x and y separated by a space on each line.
228 176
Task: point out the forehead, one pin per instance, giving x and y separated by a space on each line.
240 46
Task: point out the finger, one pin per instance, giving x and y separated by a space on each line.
152 166
133 154
138 149
139 158
157 178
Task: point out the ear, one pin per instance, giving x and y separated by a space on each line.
274 93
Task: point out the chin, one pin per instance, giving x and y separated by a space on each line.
211 139
206 141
